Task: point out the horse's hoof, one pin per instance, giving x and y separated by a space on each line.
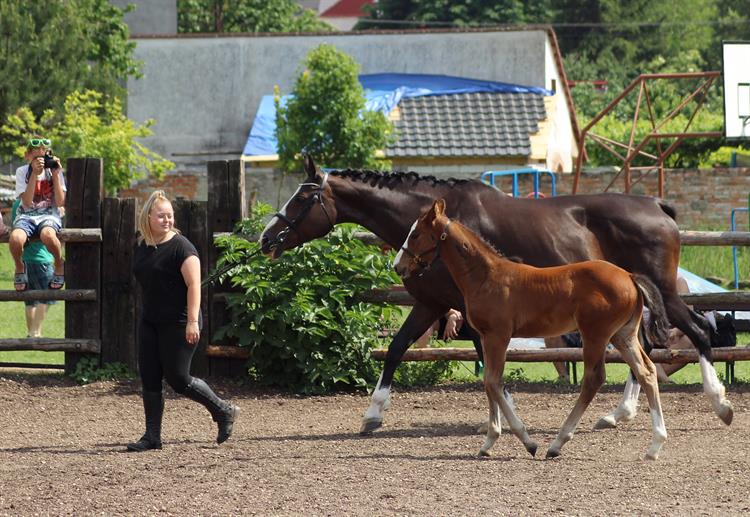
532 447
483 453
369 425
651 457
605 423
483 428
552 454
726 412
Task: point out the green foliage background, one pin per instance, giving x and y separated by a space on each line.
299 315
325 116
50 49
247 16
88 125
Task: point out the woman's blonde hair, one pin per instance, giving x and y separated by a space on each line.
143 225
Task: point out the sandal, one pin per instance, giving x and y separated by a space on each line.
22 280
57 282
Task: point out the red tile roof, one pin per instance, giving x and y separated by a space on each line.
346 8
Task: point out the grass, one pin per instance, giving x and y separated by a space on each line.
13 320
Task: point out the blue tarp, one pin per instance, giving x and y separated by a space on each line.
383 92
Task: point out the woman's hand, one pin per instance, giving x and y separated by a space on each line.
192 332
453 323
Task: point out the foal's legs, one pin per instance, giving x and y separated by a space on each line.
593 378
645 371
495 348
627 409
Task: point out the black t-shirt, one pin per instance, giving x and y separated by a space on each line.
157 269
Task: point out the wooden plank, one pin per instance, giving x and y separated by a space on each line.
28 366
68 295
71 235
699 238
519 355
226 207
118 309
83 259
91 346
190 218
565 354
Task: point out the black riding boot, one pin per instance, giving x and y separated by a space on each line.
153 406
222 412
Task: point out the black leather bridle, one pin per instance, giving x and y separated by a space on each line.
291 224
280 237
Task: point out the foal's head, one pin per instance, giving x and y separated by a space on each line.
422 245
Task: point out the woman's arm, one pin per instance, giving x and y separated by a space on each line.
191 273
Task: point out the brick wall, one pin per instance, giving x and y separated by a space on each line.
703 198
185 185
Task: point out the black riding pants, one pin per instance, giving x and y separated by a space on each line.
163 352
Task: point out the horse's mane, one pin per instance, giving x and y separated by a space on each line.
392 179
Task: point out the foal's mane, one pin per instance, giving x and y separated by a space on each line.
484 241
396 178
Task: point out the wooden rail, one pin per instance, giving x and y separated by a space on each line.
89 346
687 238
544 355
541 355
71 235
68 295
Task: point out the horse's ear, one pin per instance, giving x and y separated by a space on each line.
309 166
439 207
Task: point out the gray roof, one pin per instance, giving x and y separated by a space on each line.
467 124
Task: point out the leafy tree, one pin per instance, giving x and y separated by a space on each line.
50 49
463 13
89 126
247 16
299 315
326 117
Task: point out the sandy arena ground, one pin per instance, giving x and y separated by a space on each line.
61 453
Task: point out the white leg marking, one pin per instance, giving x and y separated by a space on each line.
715 391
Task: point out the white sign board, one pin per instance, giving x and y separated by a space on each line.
736 58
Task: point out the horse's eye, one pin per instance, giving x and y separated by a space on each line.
300 199
414 235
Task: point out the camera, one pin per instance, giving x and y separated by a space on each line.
49 161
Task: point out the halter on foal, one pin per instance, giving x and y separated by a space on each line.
505 299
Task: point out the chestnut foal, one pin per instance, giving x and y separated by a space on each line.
506 299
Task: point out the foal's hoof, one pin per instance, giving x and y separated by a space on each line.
651 457
483 453
552 454
532 447
605 423
726 412
369 425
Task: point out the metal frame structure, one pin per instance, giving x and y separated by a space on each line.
627 152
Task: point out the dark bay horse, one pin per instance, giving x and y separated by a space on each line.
637 233
505 299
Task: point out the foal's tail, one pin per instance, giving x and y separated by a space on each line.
656 330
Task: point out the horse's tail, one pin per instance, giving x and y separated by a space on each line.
656 330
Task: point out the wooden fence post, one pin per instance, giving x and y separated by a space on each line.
118 294
190 218
83 207
226 207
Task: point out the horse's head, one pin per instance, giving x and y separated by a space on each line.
422 245
307 215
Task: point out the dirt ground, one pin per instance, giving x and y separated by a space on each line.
61 452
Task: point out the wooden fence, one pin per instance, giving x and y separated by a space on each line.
101 297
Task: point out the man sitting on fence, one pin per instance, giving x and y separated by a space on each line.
40 186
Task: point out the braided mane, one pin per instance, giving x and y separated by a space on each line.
392 179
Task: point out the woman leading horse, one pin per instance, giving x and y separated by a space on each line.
505 299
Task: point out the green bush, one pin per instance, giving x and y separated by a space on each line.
299 315
88 371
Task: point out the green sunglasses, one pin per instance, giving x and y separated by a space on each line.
39 142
